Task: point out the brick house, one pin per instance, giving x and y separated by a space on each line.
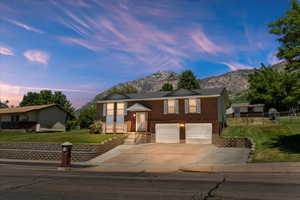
191 116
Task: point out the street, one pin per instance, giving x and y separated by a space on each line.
46 183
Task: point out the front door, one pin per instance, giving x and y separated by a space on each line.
140 122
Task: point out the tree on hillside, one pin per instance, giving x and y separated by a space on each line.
187 80
288 30
123 89
4 104
278 89
87 117
167 87
47 97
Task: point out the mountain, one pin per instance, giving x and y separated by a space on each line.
236 82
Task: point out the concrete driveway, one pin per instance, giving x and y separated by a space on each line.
166 157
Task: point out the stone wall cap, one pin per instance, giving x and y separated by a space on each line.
67 144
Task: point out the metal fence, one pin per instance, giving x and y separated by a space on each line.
248 119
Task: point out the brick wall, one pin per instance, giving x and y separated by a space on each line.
52 151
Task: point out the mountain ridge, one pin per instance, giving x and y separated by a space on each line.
234 81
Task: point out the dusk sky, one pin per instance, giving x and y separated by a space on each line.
82 47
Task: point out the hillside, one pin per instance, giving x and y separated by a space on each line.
236 82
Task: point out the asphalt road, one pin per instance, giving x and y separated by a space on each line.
42 183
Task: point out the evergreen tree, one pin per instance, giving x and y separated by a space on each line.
167 87
288 30
187 80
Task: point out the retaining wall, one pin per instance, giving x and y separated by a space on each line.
52 151
233 142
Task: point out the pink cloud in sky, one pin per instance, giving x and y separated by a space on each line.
37 56
6 51
24 26
204 44
233 66
125 33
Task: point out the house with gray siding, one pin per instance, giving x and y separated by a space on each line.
41 118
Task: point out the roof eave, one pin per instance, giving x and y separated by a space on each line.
161 98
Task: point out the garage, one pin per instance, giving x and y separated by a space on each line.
199 133
167 133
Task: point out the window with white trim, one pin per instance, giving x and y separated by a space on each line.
110 109
171 105
120 108
192 105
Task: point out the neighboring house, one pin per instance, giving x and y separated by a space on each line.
34 118
245 110
182 115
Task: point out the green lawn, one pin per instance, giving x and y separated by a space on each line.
75 136
275 142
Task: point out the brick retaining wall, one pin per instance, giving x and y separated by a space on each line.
52 151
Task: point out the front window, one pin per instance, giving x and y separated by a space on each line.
110 109
120 108
171 106
193 105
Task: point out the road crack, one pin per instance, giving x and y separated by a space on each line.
34 181
210 194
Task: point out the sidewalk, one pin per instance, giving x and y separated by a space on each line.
288 167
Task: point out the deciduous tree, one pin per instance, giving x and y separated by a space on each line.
47 97
288 30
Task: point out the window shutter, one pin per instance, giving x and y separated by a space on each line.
176 106
186 106
165 106
125 108
104 109
198 106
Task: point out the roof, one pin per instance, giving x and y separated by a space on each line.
138 107
155 95
246 105
24 109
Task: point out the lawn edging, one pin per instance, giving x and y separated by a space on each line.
52 151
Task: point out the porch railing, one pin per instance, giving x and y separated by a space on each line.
18 125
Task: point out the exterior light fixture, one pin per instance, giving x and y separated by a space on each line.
181 125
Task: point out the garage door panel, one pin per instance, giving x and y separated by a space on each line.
167 133
200 133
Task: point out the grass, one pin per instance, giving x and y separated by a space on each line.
275 142
75 136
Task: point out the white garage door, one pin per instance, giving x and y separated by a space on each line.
198 133
167 133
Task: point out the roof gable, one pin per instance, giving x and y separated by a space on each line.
138 107
24 109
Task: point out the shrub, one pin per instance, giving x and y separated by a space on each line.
96 127
87 117
72 124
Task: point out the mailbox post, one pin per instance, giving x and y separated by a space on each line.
66 155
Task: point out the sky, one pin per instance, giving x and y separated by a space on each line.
82 47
